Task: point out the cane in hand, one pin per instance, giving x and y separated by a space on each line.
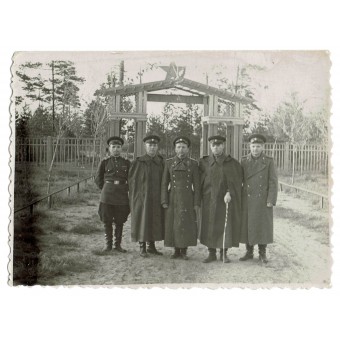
225 228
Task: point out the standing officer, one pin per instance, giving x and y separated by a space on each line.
259 195
145 177
221 183
111 178
180 196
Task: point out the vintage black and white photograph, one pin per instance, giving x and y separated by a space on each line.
171 169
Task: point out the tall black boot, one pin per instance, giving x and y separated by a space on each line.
176 254
118 238
262 253
152 248
142 249
212 256
226 258
184 254
249 254
108 236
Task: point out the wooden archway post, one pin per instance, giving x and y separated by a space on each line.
210 121
140 122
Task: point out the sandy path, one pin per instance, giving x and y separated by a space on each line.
299 256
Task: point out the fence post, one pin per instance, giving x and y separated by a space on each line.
49 202
49 150
286 164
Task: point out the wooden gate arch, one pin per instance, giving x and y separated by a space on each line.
195 93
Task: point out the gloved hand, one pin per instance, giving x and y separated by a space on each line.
227 198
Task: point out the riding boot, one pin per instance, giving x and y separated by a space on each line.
226 258
212 256
142 249
249 254
152 249
108 236
176 254
262 253
118 238
184 254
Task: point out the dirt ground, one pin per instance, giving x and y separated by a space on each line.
300 256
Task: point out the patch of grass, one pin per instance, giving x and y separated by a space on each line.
310 222
65 242
51 265
102 252
54 226
311 181
61 200
86 227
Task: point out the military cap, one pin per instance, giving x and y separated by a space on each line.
257 138
151 139
182 139
216 139
115 141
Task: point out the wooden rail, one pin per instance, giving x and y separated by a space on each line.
49 196
321 196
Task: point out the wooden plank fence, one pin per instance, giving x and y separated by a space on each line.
304 158
81 152
70 152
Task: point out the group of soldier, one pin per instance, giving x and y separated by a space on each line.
218 200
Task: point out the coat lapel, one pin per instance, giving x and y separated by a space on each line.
147 158
180 164
219 160
255 166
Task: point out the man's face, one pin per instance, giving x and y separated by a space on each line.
256 149
115 150
151 149
181 150
217 148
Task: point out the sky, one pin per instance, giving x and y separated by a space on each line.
283 72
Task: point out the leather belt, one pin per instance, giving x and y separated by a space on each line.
117 182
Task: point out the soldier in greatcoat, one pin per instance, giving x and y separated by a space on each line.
259 195
180 196
221 183
111 178
145 177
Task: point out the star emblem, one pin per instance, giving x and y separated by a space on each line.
173 72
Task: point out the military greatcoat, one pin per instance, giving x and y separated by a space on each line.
181 191
219 175
260 186
145 177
